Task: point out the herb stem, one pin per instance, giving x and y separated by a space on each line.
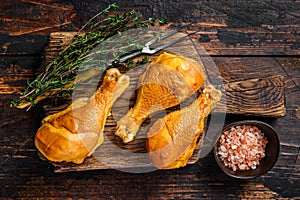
59 75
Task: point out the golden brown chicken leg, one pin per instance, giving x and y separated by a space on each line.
74 133
171 140
168 80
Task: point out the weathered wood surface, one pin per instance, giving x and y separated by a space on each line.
226 27
23 175
261 97
256 97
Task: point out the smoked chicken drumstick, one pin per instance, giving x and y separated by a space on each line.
171 140
168 80
74 133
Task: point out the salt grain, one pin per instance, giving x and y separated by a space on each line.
223 148
242 166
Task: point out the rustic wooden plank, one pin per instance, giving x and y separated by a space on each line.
24 45
26 21
291 66
23 175
226 27
253 28
231 68
14 73
266 97
233 27
25 24
258 97
198 181
291 69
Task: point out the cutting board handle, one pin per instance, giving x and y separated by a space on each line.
263 97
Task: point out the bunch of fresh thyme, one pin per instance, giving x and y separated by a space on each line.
58 77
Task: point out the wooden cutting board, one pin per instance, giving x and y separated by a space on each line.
256 97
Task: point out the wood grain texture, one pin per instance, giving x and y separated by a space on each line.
258 97
24 175
27 21
228 27
272 26
225 27
14 73
112 153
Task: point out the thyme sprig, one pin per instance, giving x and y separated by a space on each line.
58 78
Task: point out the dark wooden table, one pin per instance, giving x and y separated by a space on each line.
246 39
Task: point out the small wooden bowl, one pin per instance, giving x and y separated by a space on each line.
271 151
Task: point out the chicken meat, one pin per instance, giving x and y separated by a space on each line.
171 140
74 133
167 81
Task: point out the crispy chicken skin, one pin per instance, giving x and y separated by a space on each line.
171 140
168 80
74 133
